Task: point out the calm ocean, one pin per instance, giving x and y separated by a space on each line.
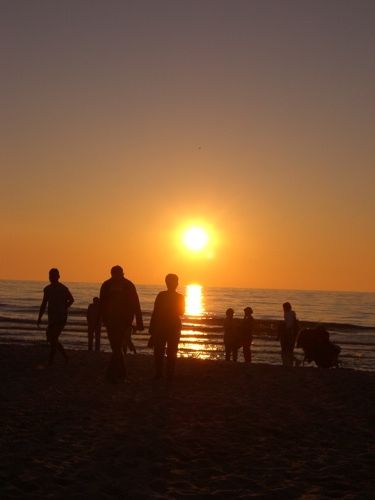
351 316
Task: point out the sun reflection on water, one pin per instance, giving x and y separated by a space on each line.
194 306
194 303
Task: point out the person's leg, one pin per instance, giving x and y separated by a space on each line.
51 339
122 336
235 353
90 335
227 352
246 351
159 353
125 336
53 333
285 358
295 360
128 344
97 338
132 346
289 347
61 349
59 346
284 349
172 349
115 339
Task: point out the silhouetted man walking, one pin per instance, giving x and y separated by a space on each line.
59 299
119 303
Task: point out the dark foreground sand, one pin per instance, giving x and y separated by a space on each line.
223 430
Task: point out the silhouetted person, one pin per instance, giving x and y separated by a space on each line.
58 298
94 323
165 326
287 335
119 303
247 327
231 336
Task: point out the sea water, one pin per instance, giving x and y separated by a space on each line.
351 316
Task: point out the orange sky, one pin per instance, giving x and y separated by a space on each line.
121 125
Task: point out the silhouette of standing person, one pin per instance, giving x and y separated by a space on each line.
58 298
165 326
119 303
231 336
288 334
94 323
247 327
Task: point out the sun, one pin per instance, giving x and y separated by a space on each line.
195 238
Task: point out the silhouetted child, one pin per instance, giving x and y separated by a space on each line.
231 336
94 323
165 326
247 326
58 298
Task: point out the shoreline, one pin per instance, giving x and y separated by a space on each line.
207 342
223 429
266 326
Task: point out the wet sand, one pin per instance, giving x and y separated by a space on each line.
223 430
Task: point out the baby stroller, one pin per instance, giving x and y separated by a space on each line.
317 347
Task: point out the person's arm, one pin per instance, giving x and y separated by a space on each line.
151 327
42 309
69 299
138 312
182 306
103 303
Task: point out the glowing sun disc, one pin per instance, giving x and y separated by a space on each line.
195 238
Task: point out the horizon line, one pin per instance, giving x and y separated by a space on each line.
207 286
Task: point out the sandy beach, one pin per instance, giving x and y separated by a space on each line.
223 430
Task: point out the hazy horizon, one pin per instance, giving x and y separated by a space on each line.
184 284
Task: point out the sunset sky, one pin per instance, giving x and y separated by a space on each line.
126 122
